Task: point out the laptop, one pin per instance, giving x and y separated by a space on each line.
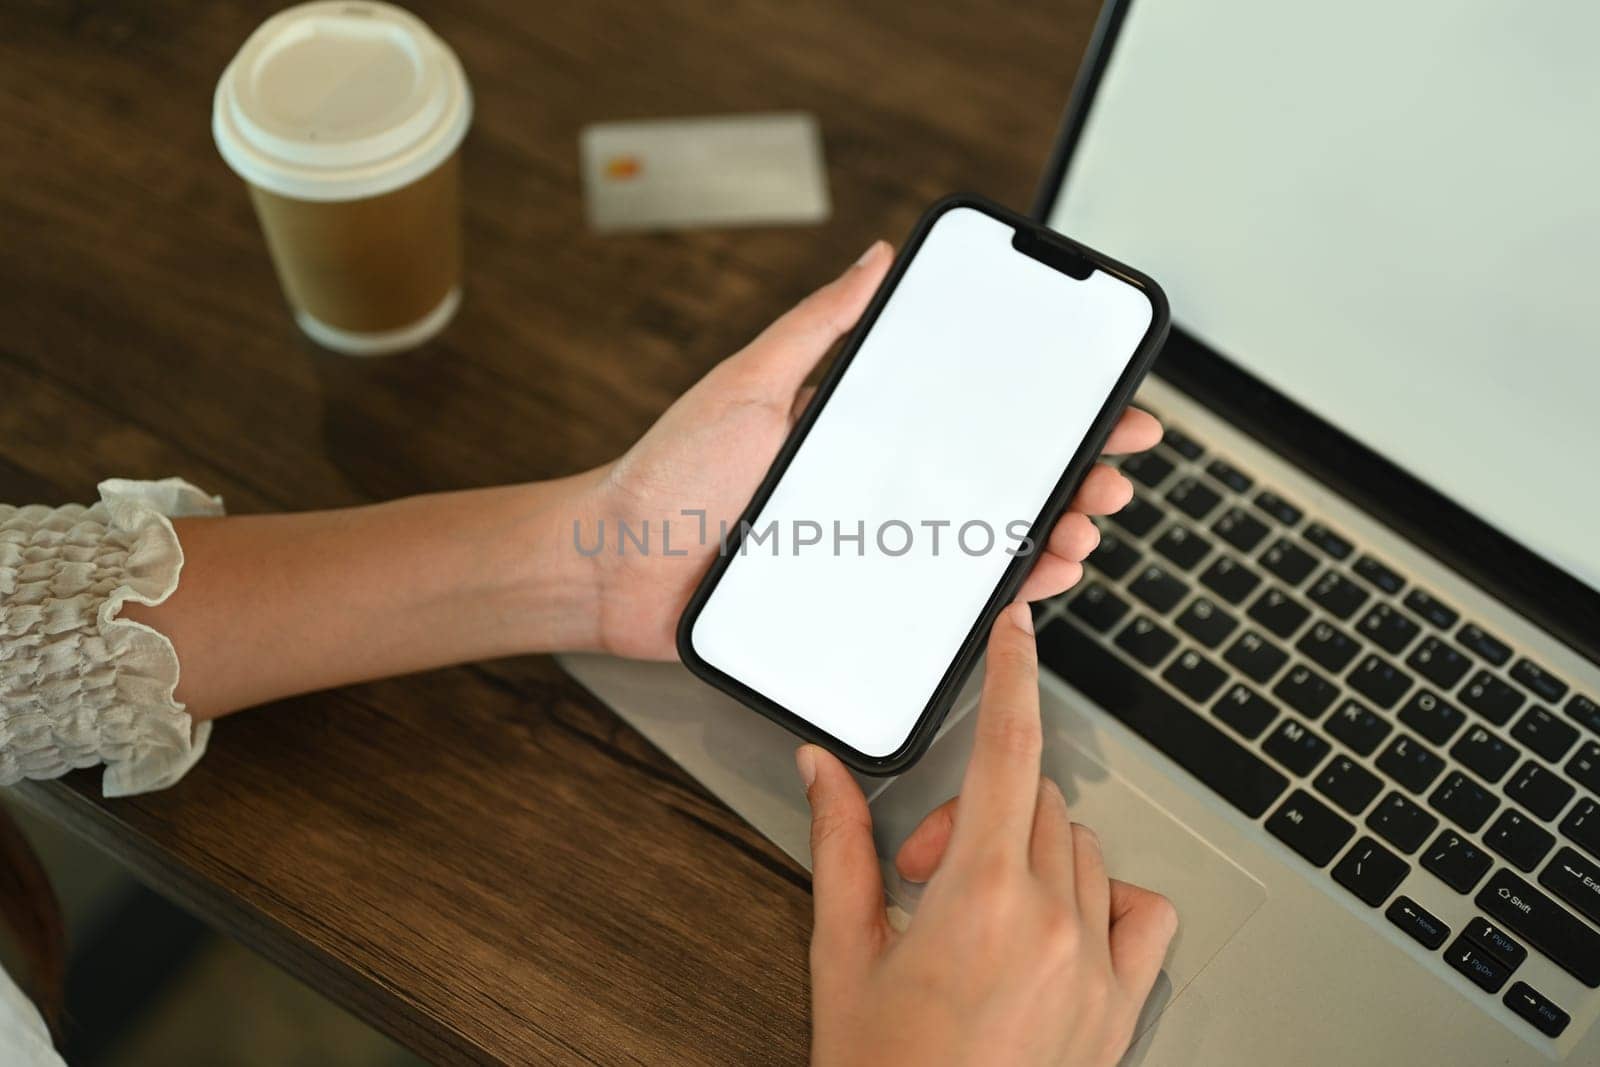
1332 681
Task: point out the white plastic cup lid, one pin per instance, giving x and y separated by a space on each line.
340 99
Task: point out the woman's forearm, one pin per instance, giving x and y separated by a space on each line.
273 605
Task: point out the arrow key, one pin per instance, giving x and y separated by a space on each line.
1537 1008
1496 942
1488 973
1427 929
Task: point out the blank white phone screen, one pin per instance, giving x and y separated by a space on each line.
869 564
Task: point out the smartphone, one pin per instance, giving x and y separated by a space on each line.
854 595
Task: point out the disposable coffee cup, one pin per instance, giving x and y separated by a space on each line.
344 120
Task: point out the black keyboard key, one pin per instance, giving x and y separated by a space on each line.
1330 542
1195 676
1358 727
1495 941
1245 710
1475 639
1348 784
1288 561
1279 612
1582 825
1491 698
1159 589
1539 790
1207 623
1278 508
1377 573
1421 925
1584 711
1138 517
1098 606
1256 657
1538 1009
1306 691
1113 556
1519 839
1337 594
1456 862
1229 475
1146 641
1410 762
1432 609
1544 924
1485 754
1401 823
1388 627
1379 681
1182 443
1574 878
1328 646
1438 663
1238 775
1431 716
1483 969
1182 546
1296 746
1539 681
1464 802
1193 497
1548 736
1230 579
1240 529
1310 827
1151 468
1371 871
1584 766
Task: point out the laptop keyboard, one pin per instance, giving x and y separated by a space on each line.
1367 725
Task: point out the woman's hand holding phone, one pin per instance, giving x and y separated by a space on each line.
1022 950
711 448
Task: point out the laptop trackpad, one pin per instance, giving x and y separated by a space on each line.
1143 844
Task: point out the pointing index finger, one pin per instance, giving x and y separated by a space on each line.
1001 787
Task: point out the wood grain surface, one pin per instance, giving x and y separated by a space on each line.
482 862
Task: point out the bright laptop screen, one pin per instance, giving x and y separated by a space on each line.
1389 212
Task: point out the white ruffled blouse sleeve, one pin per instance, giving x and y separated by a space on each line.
79 686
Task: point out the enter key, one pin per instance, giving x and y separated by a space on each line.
1576 880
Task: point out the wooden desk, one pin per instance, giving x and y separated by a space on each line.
482 862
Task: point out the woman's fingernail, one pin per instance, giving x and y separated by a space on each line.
1022 615
873 247
805 760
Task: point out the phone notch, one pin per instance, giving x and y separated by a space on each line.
1056 254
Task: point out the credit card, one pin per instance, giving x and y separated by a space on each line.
732 170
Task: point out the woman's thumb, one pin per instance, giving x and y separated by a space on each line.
788 350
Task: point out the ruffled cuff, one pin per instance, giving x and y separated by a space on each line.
78 685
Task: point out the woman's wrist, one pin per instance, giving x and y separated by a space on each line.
549 593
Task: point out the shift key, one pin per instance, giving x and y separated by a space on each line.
1548 926
1575 880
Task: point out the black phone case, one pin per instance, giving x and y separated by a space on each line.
1053 249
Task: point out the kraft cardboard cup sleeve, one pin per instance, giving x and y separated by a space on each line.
345 120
